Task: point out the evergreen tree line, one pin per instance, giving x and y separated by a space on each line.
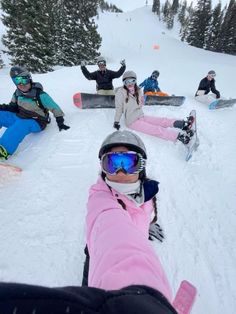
202 26
104 6
43 33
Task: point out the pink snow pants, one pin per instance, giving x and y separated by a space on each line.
156 126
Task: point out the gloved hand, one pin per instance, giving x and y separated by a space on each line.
61 125
122 62
83 63
116 125
155 232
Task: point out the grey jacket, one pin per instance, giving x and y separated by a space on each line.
131 110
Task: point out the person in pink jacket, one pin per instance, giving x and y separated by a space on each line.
129 101
120 210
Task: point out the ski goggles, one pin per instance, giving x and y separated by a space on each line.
130 81
154 77
128 162
212 75
24 80
101 63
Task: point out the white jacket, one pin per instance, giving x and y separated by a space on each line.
131 110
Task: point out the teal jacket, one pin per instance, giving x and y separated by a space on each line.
35 104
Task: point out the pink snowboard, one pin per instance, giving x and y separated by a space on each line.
185 298
10 167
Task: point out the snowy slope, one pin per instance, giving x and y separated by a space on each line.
42 211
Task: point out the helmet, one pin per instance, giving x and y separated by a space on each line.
212 72
19 71
156 73
129 74
101 59
126 138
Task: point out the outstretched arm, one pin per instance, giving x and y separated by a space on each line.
116 74
87 74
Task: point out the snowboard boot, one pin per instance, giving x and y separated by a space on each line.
184 125
3 153
184 138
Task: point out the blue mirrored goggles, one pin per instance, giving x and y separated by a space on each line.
24 80
130 81
128 162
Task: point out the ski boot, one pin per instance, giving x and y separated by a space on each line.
3 153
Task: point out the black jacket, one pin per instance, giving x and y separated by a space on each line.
103 78
208 86
28 299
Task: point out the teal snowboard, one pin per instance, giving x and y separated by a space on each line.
222 103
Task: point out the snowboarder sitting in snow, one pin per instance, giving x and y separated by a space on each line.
151 86
103 76
206 85
123 205
125 274
27 112
128 101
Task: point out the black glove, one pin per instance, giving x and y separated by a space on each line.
61 125
116 125
156 232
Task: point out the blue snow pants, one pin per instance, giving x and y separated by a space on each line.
17 129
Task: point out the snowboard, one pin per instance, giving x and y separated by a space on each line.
222 103
185 298
7 166
151 100
93 101
194 142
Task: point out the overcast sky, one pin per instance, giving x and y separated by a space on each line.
127 5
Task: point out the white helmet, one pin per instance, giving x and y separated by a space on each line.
129 74
123 138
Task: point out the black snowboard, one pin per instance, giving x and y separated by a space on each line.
151 100
93 101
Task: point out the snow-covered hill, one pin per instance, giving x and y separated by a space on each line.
42 210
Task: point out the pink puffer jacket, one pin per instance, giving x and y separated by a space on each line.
117 239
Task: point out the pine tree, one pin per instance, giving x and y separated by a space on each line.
28 39
165 11
1 62
212 41
168 16
79 37
156 7
175 6
182 12
184 30
228 30
199 23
